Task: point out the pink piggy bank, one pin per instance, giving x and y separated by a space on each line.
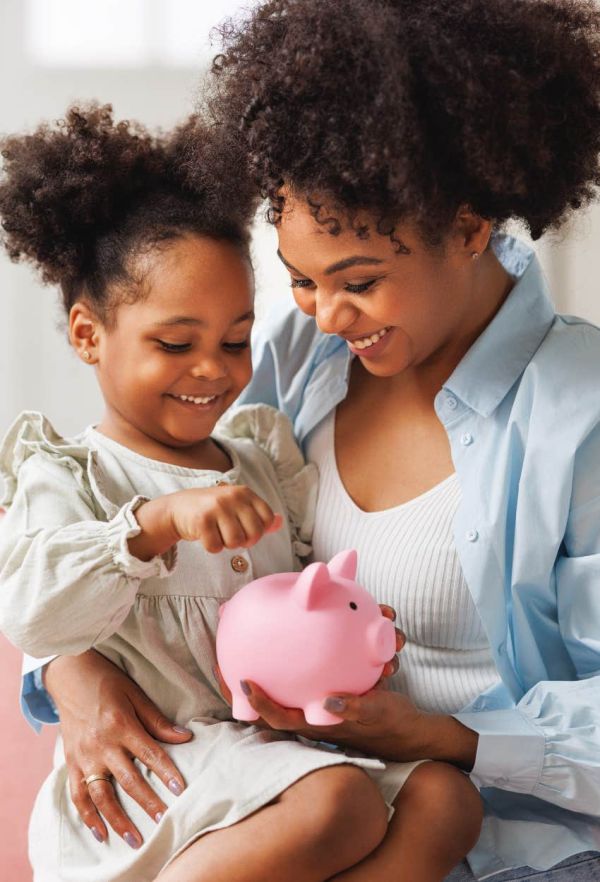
302 637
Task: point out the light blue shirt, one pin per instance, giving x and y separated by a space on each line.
522 414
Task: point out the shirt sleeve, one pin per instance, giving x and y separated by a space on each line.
67 580
549 745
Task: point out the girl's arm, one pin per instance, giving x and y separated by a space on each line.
67 579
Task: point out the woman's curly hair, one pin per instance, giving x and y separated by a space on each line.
82 197
410 108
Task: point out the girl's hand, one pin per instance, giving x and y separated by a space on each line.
225 516
107 722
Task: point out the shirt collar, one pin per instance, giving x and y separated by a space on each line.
502 352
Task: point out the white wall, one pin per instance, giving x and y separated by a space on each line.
37 369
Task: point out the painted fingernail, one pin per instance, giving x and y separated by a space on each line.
175 787
158 817
246 688
181 730
334 704
131 840
97 834
215 675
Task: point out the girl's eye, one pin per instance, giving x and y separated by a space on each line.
360 289
300 283
173 347
236 347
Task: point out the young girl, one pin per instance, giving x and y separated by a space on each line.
148 239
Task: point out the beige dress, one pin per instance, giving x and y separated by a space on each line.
68 582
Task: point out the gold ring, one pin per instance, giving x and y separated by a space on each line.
91 778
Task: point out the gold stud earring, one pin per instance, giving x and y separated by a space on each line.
86 355
474 255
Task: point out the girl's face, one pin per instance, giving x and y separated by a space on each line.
395 310
175 360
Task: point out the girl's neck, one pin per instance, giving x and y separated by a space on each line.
203 454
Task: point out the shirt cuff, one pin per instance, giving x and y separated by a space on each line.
36 703
510 752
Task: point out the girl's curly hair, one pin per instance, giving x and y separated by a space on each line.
82 197
410 108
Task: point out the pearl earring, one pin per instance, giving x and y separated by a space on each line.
86 355
475 255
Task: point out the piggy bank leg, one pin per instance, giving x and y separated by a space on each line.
241 708
316 714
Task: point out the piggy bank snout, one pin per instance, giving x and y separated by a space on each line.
381 641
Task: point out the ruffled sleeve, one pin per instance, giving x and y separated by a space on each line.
272 432
67 578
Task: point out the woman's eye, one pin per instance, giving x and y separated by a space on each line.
361 288
300 283
173 347
236 347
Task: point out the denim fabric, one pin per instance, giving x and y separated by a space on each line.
583 867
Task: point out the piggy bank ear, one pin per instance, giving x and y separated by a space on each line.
344 565
311 585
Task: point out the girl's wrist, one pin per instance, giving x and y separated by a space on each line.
158 533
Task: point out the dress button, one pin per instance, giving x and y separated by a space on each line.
472 535
451 402
466 439
239 564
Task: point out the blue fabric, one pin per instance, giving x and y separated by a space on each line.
522 415
581 868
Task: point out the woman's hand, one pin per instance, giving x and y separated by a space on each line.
381 723
107 722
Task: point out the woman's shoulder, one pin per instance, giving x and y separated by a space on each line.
568 358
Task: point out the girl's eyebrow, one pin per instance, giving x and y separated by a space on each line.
190 320
346 263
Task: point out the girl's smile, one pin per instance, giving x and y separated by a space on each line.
172 361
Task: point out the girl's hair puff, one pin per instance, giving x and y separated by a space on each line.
82 197
411 108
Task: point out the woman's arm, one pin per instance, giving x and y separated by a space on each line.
106 723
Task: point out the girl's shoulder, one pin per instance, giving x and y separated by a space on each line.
260 432
33 451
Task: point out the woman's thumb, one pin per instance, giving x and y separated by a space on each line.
155 722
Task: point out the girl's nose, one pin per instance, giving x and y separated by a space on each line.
209 368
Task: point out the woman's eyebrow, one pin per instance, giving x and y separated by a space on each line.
346 263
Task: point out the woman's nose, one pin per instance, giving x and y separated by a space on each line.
333 314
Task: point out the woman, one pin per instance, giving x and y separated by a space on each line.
393 140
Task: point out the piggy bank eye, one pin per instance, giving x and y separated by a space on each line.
353 605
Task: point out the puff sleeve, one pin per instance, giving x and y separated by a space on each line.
67 578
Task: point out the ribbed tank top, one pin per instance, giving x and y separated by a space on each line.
408 560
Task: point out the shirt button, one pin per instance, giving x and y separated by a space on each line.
451 402
466 439
239 564
472 535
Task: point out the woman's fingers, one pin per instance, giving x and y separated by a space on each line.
85 805
274 715
127 775
102 794
154 722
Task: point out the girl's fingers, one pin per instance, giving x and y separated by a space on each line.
251 524
85 805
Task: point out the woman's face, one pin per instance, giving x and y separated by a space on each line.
395 310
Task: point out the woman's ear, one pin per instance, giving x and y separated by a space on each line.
84 332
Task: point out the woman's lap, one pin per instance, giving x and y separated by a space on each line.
578 868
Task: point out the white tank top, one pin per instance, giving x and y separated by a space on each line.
408 560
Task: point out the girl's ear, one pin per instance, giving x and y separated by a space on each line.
84 332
